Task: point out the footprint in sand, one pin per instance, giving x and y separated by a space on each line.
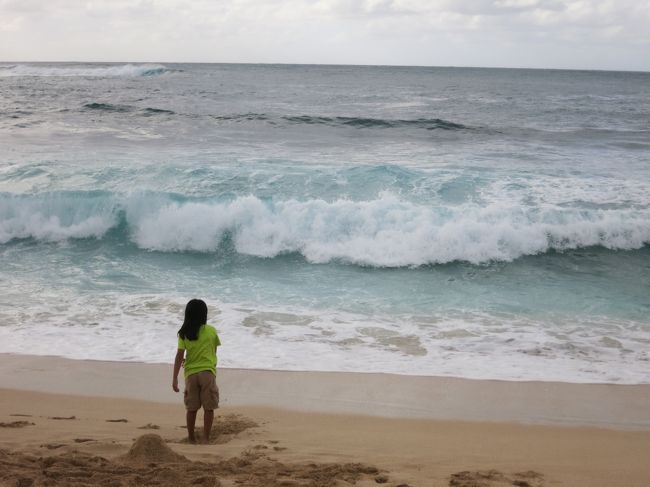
150 426
226 428
488 478
16 424
63 418
53 446
276 448
121 420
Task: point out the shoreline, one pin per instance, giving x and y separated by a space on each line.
615 406
92 420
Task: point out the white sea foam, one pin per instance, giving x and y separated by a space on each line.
54 218
564 191
384 232
462 344
124 70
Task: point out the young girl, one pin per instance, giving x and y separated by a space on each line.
197 345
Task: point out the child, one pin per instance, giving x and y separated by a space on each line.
197 344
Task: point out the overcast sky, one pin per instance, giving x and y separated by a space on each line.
598 34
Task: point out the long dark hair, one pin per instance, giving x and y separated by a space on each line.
196 315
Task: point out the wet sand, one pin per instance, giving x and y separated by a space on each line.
90 423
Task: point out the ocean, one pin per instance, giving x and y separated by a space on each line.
479 223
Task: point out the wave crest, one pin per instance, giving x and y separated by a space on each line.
384 232
56 217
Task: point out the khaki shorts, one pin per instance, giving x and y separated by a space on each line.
201 390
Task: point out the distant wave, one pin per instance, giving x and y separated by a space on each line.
384 232
157 111
355 122
125 70
361 122
108 107
240 117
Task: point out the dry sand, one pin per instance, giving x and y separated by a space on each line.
79 438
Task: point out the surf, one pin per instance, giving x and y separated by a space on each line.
382 232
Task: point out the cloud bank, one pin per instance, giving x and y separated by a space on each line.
598 34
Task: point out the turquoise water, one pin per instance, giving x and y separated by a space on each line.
465 222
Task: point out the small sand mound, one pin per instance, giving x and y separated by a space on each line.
151 448
250 469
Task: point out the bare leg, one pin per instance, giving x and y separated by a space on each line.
191 420
208 417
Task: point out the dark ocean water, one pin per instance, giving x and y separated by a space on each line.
489 223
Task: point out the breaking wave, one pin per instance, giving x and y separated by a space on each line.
383 232
124 70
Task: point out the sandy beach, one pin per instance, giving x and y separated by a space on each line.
67 422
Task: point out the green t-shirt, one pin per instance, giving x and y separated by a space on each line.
201 354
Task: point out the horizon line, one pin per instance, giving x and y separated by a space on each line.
450 66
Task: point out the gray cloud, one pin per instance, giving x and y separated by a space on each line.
536 33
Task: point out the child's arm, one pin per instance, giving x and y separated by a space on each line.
178 361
